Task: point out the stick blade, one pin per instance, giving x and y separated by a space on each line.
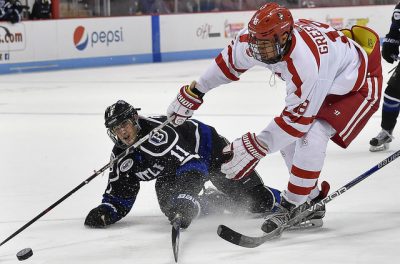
239 239
175 234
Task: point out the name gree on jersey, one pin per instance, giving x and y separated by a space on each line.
318 37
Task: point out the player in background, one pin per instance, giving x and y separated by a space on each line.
181 160
333 86
391 97
11 10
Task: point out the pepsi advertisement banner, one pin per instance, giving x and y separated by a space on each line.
105 37
74 43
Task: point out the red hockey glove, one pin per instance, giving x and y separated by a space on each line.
184 105
247 152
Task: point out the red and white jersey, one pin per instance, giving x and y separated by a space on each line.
321 61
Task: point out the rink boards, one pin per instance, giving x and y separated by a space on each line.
94 42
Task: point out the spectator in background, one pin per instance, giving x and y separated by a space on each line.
252 4
41 10
11 10
208 6
155 7
188 6
183 6
228 5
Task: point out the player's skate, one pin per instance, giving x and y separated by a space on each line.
315 219
276 222
286 211
381 141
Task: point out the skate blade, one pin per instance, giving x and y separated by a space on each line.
309 224
382 147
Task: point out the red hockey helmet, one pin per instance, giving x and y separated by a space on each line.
270 31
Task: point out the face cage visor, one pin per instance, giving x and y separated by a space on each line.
113 136
269 51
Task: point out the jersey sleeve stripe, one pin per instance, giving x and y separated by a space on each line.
311 44
231 61
224 68
295 77
287 128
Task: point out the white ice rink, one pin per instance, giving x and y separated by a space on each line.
52 138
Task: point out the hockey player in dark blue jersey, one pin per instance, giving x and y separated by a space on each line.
391 98
181 160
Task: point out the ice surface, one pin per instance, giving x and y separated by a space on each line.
52 138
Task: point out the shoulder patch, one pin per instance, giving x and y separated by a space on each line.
126 165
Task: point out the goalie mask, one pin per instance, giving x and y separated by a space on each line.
270 33
121 121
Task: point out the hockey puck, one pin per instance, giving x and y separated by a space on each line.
24 254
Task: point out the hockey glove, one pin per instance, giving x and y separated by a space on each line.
390 49
187 100
247 152
100 216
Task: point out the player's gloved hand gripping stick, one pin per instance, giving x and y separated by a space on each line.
183 106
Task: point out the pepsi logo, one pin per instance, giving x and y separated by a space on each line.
81 38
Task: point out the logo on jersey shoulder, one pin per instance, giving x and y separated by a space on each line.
126 165
396 15
158 138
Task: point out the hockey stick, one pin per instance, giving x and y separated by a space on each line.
395 58
175 234
250 242
94 175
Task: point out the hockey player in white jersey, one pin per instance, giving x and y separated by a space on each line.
333 84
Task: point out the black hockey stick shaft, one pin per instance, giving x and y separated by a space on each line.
94 175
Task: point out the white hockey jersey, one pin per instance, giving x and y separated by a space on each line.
321 61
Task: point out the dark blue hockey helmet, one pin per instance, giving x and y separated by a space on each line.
116 113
